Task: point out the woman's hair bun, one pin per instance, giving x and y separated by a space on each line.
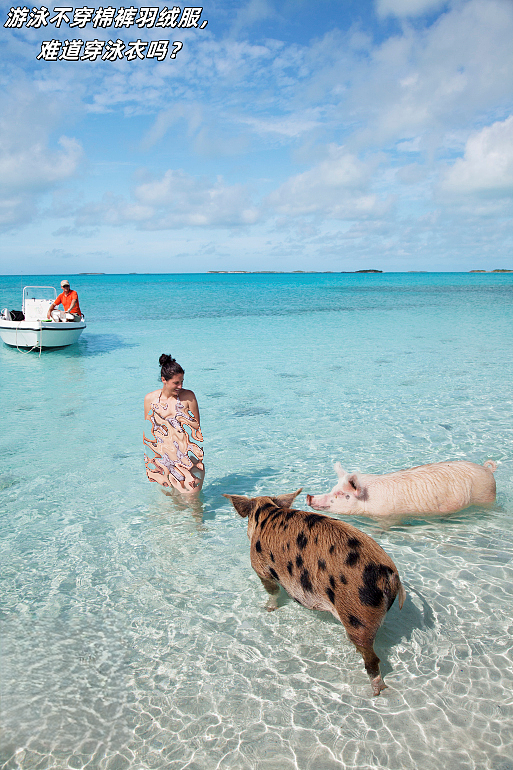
169 366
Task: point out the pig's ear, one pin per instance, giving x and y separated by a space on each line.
339 470
352 486
241 504
285 501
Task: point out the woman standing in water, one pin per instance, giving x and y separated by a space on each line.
169 410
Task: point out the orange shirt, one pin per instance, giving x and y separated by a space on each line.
66 301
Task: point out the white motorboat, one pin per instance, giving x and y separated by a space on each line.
30 327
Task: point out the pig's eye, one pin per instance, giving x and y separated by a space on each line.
347 497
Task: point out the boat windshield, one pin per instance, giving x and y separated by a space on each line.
39 292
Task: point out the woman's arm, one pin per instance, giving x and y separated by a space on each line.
192 405
147 403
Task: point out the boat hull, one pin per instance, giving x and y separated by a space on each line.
40 334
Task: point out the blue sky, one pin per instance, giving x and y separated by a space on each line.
336 135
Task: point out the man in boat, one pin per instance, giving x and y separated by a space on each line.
69 301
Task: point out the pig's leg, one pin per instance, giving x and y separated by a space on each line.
273 589
371 663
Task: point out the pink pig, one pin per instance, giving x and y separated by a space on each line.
436 488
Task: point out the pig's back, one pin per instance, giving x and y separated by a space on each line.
324 563
444 487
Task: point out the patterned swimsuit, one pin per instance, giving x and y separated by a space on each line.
171 444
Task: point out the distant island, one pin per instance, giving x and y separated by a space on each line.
319 272
286 272
92 273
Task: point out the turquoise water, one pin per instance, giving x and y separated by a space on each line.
133 628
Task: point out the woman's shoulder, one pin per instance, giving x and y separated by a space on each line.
186 395
153 395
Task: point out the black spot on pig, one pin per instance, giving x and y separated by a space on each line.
299 561
321 564
271 555
290 567
301 540
343 579
289 515
354 621
332 548
331 595
312 519
352 558
332 581
370 593
273 573
258 546
305 580
353 542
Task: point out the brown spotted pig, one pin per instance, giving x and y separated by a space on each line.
325 565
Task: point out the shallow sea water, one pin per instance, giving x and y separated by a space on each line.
134 633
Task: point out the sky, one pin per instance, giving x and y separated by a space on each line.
335 135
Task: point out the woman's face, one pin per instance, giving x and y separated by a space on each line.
175 384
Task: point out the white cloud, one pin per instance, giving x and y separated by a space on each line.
337 188
175 200
180 199
410 8
37 167
487 164
166 119
30 164
254 11
290 127
429 81
411 98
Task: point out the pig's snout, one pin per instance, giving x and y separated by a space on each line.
319 502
